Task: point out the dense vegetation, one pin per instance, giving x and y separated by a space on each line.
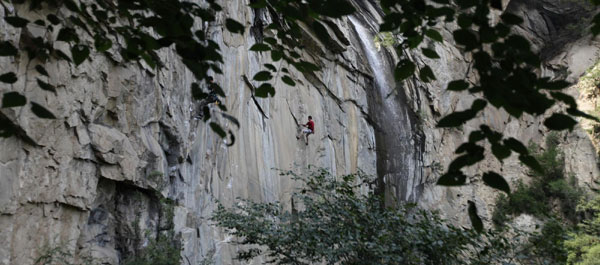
339 220
332 221
552 194
570 216
583 245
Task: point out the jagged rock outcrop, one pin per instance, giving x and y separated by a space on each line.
95 180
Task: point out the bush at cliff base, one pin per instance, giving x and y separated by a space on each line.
340 220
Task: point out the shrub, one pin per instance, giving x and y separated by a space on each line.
332 222
165 247
548 245
584 246
537 198
61 254
164 250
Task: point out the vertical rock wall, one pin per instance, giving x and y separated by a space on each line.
94 181
127 159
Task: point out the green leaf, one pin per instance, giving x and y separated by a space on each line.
258 4
13 99
7 49
149 60
466 38
430 53
80 53
559 122
464 21
404 69
231 118
15 21
321 32
260 47
464 4
456 178
496 181
426 74
270 67
67 35
500 151
270 40
555 85
567 99
596 25
335 8
217 129
231 139
457 85
288 80
578 113
453 120
458 118
478 105
46 86
40 69
234 26
487 35
414 41
53 19
476 136
276 55
263 76
304 66
197 92
496 4
9 78
71 5
511 19
475 220
434 35
516 146
60 54
532 163
264 90
41 112
102 44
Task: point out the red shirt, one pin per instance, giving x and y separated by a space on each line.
311 125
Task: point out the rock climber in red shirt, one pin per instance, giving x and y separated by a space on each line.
310 128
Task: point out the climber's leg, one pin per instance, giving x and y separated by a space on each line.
307 138
307 132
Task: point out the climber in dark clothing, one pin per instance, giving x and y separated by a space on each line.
310 128
207 99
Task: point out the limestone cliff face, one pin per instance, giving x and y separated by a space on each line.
92 180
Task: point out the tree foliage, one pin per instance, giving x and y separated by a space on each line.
340 220
553 194
584 245
332 222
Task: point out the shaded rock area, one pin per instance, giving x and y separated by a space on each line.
126 160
